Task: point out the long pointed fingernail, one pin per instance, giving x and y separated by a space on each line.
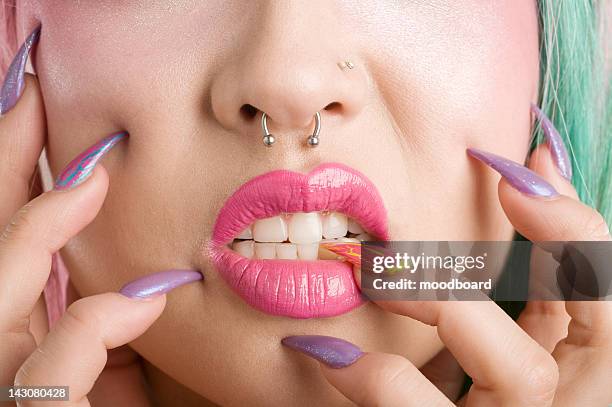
555 143
520 177
334 352
82 165
14 82
350 251
159 283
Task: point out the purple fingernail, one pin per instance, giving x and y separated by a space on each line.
14 82
555 143
159 283
81 167
334 352
520 177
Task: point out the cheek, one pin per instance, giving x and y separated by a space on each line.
455 75
116 55
466 72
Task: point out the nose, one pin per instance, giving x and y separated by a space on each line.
291 64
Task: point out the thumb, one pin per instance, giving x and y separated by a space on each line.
74 353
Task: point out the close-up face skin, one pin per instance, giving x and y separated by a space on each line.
188 80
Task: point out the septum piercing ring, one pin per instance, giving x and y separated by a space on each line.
269 139
313 139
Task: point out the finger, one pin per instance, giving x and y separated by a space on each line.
22 135
445 373
37 231
368 379
536 209
558 218
75 351
481 348
585 355
381 379
546 321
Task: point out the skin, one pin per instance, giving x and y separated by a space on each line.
431 79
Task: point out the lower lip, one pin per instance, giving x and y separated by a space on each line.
296 288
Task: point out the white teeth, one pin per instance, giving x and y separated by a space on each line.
286 251
265 251
308 251
244 248
354 227
245 234
305 228
297 236
334 225
270 230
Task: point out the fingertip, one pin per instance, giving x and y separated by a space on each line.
158 300
541 162
515 202
154 306
98 176
130 317
87 197
558 218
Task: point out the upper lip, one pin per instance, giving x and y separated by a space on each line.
331 186
295 288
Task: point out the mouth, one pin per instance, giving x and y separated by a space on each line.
266 239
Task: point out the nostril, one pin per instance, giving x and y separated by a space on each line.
334 107
248 111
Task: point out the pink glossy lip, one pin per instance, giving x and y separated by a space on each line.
296 288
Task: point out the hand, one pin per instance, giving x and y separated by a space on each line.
74 352
558 353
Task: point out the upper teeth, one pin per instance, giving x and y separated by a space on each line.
334 225
297 235
304 228
270 230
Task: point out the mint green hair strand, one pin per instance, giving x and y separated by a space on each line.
575 92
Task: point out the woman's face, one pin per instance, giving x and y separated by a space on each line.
185 78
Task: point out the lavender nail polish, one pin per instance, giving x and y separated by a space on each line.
13 85
159 283
555 144
520 177
81 167
334 352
